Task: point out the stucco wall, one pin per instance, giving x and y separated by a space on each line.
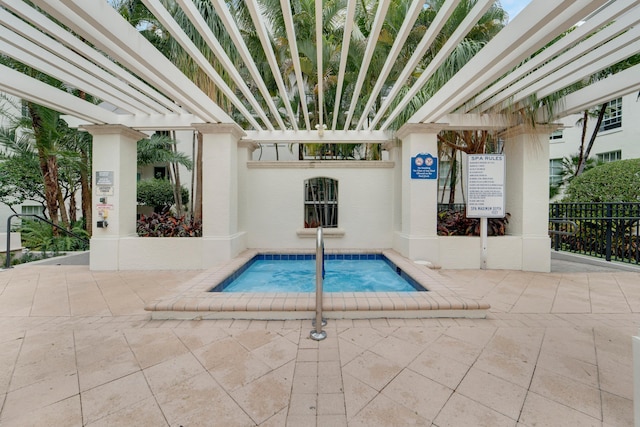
272 203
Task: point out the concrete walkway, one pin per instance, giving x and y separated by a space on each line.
76 348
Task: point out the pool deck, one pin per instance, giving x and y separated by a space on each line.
78 349
192 300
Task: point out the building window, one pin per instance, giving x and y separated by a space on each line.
556 134
613 115
159 172
555 171
320 202
610 156
443 173
32 210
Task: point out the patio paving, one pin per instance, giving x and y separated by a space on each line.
77 348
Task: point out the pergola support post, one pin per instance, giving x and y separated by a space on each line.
221 239
113 203
527 192
417 238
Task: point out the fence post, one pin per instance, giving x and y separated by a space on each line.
609 221
556 227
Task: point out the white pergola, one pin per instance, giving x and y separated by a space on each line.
87 45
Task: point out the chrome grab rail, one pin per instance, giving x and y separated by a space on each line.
318 334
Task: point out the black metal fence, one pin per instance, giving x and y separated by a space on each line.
604 230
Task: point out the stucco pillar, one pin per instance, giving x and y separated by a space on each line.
417 238
222 239
114 163
527 193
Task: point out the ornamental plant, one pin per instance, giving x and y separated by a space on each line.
167 225
617 181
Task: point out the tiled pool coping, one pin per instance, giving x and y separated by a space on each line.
193 300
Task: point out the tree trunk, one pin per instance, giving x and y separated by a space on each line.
453 175
603 109
85 192
48 167
63 209
73 206
85 185
197 209
583 136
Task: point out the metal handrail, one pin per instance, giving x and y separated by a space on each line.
8 252
318 334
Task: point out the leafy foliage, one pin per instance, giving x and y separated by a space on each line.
38 236
167 225
158 193
611 182
456 223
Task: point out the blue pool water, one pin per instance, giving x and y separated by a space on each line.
367 273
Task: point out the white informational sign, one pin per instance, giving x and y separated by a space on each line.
485 185
104 183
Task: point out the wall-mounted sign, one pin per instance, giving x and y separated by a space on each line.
104 183
424 166
485 185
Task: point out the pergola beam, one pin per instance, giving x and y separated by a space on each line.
113 75
372 41
612 87
99 23
311 136
295 57
238 41
344 54
414 11
529 31
181 37
565 46
579 62
458 35
271 59
429 36
30 89
32 55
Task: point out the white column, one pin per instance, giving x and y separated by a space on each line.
114 155
527 193
221 237
417 238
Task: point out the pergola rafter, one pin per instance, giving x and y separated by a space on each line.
430 35
88 46
366 60
414 11
525 32
504 88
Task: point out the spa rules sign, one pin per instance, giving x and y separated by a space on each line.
485 185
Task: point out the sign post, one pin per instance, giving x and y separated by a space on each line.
485 188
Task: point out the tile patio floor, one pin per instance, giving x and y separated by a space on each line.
76 348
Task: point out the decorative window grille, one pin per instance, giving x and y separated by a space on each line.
612 116
320 202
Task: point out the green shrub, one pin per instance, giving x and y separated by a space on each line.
610 182
38 236
158 193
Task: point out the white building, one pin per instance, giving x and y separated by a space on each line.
617 139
